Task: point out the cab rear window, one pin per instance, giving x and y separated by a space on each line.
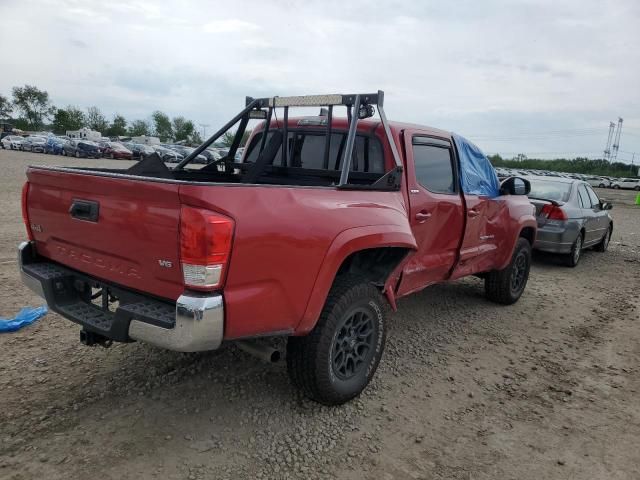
306 150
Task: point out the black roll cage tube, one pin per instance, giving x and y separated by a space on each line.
353 102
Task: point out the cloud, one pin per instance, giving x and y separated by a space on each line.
231 25
78 43
468 66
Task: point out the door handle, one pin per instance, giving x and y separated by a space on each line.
85 210
423 216
473 213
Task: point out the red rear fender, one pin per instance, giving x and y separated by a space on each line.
346 243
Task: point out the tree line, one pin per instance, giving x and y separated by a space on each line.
30 108
585 166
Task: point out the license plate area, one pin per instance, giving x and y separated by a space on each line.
103 298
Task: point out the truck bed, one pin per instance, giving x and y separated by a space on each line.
277 251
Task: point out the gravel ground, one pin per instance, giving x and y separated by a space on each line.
466 389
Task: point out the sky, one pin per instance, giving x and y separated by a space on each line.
542 77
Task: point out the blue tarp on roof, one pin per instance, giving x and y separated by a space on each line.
476 172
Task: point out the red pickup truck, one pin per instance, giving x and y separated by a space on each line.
312 241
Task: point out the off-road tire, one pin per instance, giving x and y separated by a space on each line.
311 359
573 258
501 286
604 243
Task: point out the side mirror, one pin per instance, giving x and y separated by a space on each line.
605 205
515 186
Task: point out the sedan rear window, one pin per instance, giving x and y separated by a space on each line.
550 190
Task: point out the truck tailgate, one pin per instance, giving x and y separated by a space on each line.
132 239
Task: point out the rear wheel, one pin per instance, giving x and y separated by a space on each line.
604 243
572 259
616 187
637 188
506 286
77 154
338 358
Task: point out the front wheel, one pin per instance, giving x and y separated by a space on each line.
77 154
616 187
506 286
338 358
637 188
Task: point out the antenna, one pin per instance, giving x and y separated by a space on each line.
616 142
607 149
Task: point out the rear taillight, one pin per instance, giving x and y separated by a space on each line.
25 213
205 246
553 212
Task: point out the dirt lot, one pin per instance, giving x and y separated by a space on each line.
547 388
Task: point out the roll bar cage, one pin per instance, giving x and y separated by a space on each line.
359 106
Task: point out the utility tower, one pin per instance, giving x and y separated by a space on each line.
204 129
616 142
607 149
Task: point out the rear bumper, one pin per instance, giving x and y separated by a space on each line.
195 322
556 239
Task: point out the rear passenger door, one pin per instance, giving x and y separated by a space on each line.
599 222
435 208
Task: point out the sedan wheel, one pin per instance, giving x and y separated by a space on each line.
576 250
604 243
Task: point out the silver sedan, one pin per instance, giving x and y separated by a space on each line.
570 217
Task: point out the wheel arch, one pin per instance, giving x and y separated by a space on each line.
528 233
373 251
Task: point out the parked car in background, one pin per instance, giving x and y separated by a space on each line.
12 142
598 182
626 183
211 155
115 150
570 217
166 154
81 148
33 144
54 145
139 150
185 151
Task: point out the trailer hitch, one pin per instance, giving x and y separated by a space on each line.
91 339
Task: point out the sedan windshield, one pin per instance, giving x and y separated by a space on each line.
550 190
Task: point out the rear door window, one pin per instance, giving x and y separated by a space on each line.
583 197
595 201
434 168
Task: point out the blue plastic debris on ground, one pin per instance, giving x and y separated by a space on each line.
25 317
